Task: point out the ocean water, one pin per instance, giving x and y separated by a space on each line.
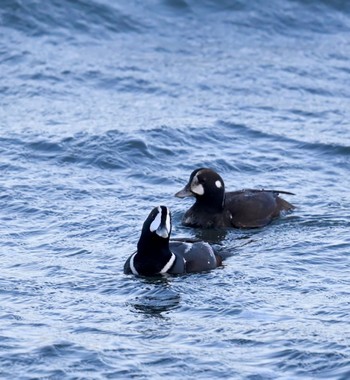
105 109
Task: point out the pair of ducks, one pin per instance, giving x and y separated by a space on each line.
213 208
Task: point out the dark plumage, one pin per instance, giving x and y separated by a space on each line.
240 209
157 255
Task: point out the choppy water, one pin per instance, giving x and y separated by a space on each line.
106 108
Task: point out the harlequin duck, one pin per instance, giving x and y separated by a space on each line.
157 255
248 208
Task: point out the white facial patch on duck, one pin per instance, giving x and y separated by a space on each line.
168 221
157 220
218 184
196 187
156 225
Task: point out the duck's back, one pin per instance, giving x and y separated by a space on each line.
255 208
198 256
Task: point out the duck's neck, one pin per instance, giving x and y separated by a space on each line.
210 203
155 254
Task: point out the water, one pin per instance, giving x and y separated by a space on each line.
106 108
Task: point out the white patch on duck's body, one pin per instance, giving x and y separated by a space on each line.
168 265
132 266
188 247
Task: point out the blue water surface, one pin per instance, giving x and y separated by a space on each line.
106 108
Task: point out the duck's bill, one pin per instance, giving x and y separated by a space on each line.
185 192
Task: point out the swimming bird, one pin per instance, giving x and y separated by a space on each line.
216 208
157 254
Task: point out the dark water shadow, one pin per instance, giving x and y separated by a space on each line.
212 236
155 298
227 242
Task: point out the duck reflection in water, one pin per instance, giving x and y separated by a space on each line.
157 297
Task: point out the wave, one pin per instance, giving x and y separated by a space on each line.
278 17
67 17
146 151
101 20
321 147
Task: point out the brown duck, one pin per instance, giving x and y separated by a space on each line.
215 208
